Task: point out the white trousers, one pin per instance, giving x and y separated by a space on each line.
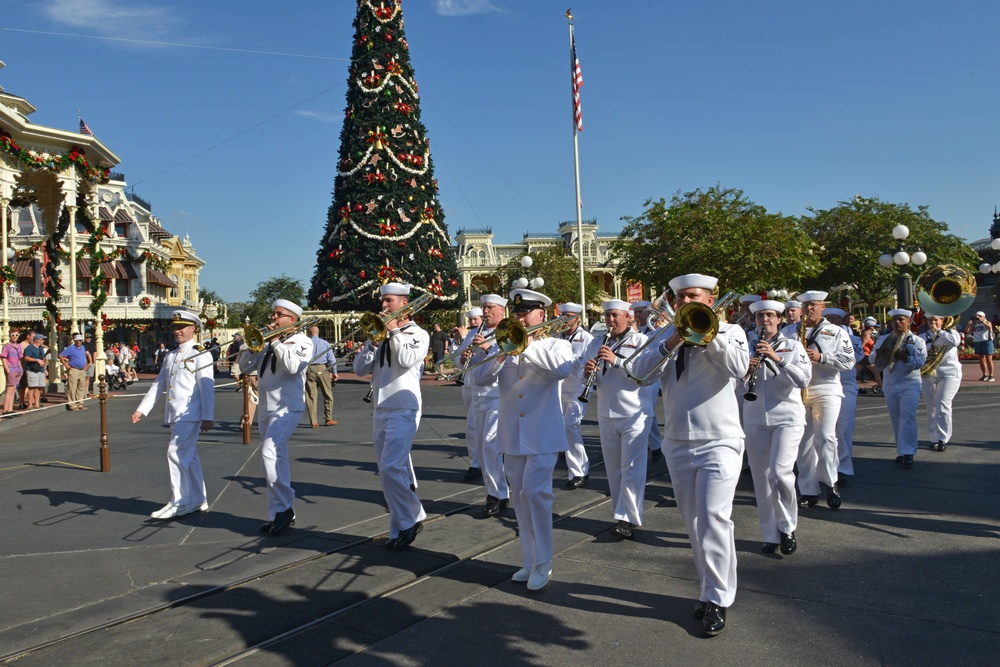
577 462
655 432
845 429
276 429
471 437
393 433
938 395
704 475
817 460
187 483
902 401
484 414
623 443
771 452
531 493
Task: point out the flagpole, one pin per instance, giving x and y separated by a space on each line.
576 168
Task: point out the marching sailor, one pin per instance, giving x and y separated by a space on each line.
899 357
573 409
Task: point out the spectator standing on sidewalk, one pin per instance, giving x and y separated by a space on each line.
982 343
75 359
34 367
11 356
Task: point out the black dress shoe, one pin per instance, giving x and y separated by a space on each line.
494 505
472 473
788 544
769 548
265 527
656 455
699 609
714 620
807 501
833 499
899 460
282 520
624 529
390 543
939 447
907 460
407 536
576 482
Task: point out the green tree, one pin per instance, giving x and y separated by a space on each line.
718 232
385 222
561 272
852 235
258 308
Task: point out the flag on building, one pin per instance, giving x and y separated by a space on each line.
84 129
577 76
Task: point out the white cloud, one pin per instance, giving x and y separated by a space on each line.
321 116
464 7
108 15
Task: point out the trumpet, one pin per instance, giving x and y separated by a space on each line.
449 360
255 338
585 396
512 339
373 324
667 314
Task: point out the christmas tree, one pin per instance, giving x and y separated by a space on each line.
385 223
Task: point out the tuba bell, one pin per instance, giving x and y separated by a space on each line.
945 290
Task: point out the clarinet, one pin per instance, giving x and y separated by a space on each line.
371 392
459 380
750 394
589 385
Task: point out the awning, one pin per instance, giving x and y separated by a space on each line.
127 270
24 268
83 268
159 278
110 270
121 215
105 214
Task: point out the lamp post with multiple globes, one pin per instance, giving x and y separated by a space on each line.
901 258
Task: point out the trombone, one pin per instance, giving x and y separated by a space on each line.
512 339
255 339
373 324
666 315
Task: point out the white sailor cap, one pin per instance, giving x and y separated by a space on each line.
639 305
750 298
908 314
615 304
494 298
836 312
871 320
693 280
399 289
185 318
793 304
294 308
570 307
813 295
526 300
767 304
474 312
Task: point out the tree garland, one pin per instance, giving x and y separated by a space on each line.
53 163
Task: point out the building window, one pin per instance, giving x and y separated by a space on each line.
83 285
173 290
122 287
26 286
122 229
482 258
187 290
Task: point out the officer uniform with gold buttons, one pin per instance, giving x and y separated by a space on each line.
574 410
190 406
529 437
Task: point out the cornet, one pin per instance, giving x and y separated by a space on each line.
255 338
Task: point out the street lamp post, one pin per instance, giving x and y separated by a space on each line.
904 283
986 268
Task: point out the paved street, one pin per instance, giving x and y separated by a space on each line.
903 574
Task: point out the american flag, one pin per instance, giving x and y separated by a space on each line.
577 77
84 129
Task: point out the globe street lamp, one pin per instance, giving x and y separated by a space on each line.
904 283
986 268
523 283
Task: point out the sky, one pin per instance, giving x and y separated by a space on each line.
227 114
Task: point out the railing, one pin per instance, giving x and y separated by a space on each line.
131 196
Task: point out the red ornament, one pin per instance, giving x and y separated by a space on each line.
358 208
362 274
453 282
388 37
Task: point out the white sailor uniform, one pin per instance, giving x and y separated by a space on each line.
623 417
774 424
529 438
818 457
281 387
901 385
939 388
650 392
190 401
703 447
848 408
395 366
573 409
481 430
471 437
